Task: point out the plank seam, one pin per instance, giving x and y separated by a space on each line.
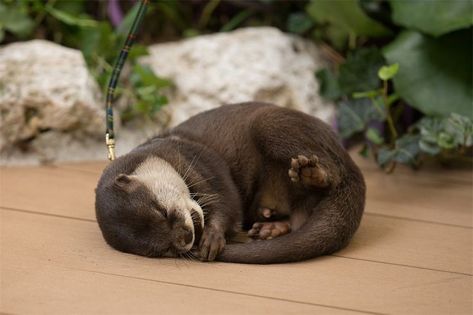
417 220
230 292
334 255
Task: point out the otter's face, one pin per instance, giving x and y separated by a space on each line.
150 212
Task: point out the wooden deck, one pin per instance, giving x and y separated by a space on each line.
411 255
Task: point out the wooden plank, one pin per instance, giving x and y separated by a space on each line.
70 193
27 288
420 197
95 167
49 189
346 283
416 197
411 243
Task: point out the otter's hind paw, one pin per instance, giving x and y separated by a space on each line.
308 171
269 230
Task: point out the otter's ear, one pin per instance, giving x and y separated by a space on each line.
125 182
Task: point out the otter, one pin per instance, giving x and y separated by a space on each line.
278 173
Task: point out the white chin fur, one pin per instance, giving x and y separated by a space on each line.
170 190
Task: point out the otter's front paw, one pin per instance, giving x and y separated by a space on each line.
211 243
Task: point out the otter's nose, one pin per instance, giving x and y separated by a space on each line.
184 237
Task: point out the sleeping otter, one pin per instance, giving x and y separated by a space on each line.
193 187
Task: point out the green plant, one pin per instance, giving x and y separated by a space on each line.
14 19
425 76
99 42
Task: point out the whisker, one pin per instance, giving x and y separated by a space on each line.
200 181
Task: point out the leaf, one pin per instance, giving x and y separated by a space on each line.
433 17
462 129
99 40
144 76
429 147
328 84
299 23
70 19
354 115
16 21
449 133
367 94
374 136
236 20
435 74
137 51
347 16
385 156
359 72
125 25
388 72
446 141
406 151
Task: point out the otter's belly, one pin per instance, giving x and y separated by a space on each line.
274 194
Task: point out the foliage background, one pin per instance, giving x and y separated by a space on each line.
401 71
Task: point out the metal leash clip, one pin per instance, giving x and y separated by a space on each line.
110 142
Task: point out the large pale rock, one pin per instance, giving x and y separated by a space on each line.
45 87
261 64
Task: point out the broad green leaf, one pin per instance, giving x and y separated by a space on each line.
461 128
406 151
100 41
347 16
446 141
72 7
16 21
429 147
385 156
328 84
299 23
125 25
360 71
354 115
70 19
136 51
388 72
444 133
433 17
144 76
435 74
374 136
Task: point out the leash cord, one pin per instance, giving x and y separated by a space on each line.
109 134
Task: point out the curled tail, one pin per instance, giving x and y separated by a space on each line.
329 228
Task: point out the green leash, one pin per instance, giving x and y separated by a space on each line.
109 134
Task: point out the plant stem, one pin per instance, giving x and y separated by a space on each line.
389 119
207 13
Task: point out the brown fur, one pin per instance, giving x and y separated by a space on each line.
242 153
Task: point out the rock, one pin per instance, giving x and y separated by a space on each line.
44 88
261 64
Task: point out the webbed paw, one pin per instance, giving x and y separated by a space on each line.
308 171
211 244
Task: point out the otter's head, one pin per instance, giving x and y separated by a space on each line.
149 212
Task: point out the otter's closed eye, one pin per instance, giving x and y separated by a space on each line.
163 212
159 209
